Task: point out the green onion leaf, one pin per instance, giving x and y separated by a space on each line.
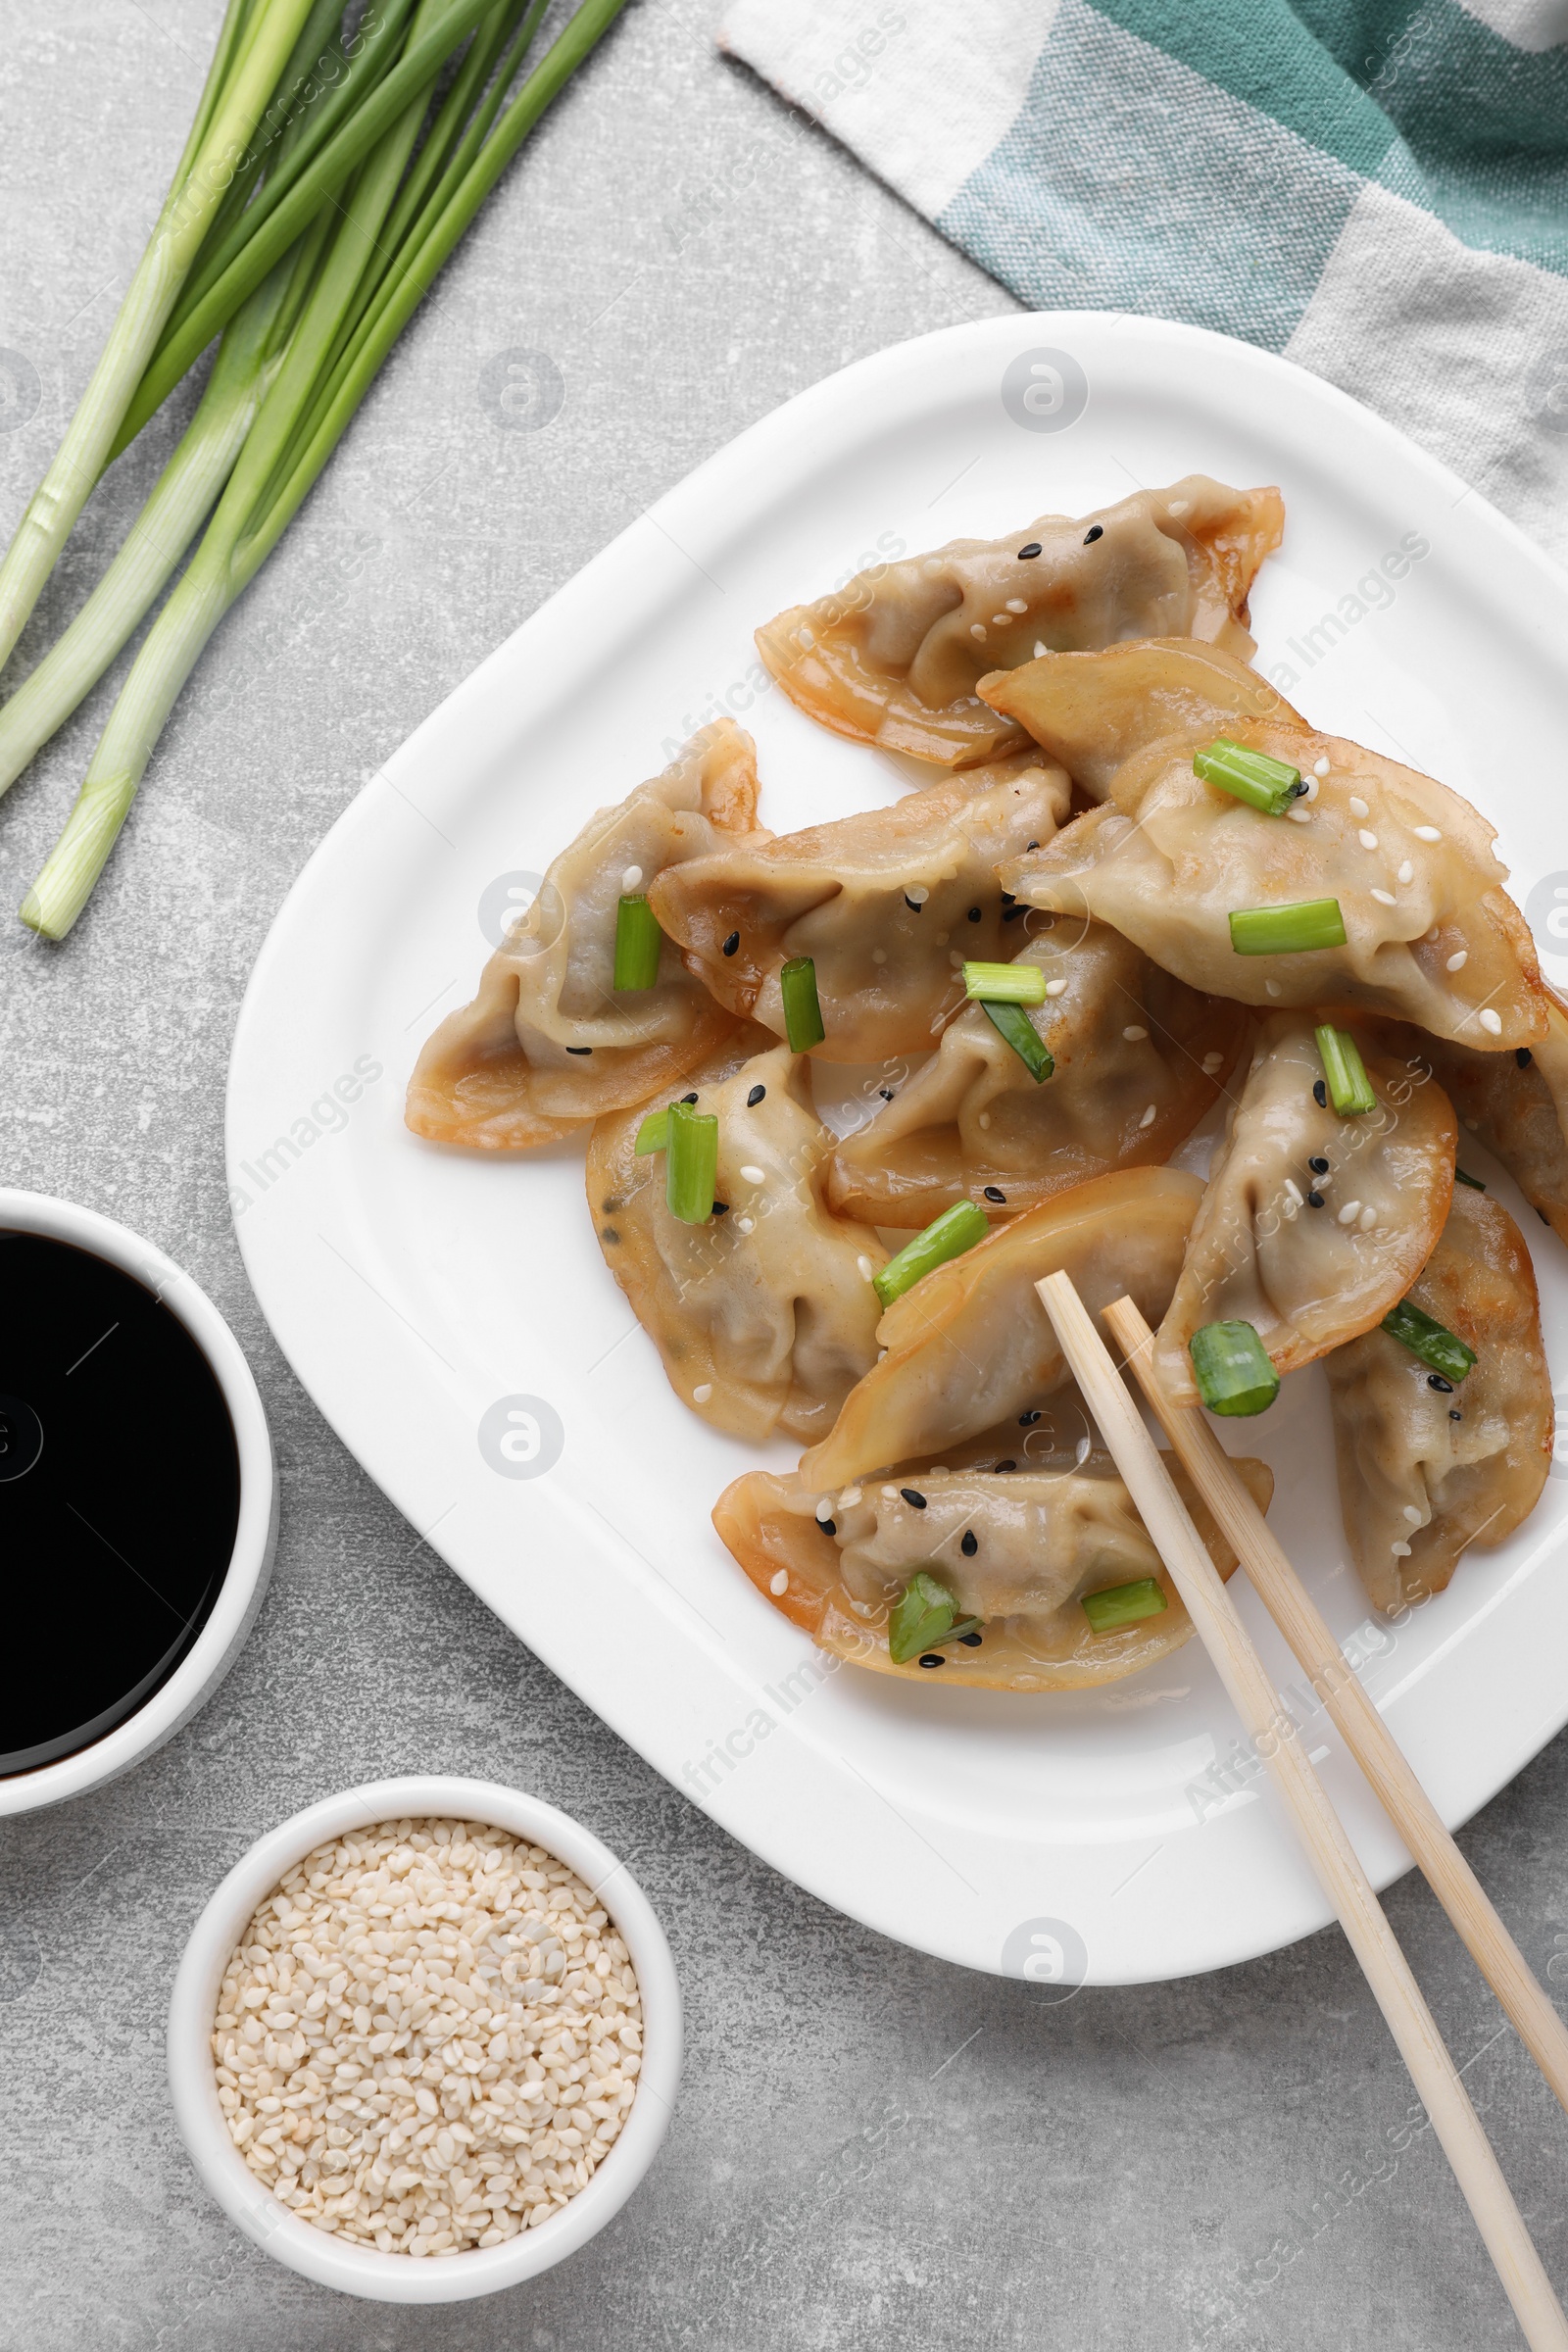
956 1230
691 1163
802 1014
377 113
1232 1369
1288 930
1463 1176
652 1135
1004 983
924 1615
1428 1339
251 56
638 939
366 255
1249 776
1124 1604
1014 1023
1350 1087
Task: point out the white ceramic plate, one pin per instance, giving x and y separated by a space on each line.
453 1320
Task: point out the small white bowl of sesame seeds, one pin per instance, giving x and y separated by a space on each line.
424 2039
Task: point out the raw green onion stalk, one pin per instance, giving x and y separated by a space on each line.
1004 983
1350 1087
956 1230
652 1135
802 1011
1014 1023
1288 930
691 1163
247 363
254 47
923 1617
1249 776
432 40
1232 1369
307 238
638 939
1430 1340
320 107
1124 1604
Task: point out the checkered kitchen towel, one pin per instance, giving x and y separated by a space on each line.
1377 188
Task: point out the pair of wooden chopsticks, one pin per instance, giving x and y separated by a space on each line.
1367 1737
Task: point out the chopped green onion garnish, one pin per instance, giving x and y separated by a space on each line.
1288 930
1251 776
1428 1339
638 939
1124 1604
691 1163
802 1014
1350 1087
924 1615
653 1132
1014 1023
1004 983
1463 1176
956 1230
1232 1369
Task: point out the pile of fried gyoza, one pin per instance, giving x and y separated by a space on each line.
683 969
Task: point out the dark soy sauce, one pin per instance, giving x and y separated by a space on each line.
118 1496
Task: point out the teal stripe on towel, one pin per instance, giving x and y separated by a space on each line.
1449 84
1262 52
1484 127
1127 183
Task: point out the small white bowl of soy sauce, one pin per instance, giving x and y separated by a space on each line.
139 1505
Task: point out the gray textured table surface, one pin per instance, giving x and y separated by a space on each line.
871 2147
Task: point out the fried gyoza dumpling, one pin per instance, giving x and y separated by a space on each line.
1096 713
1017 1551
765 1316
1428 1466
971 1346
1430 935
1139 1059
887 904
1517 1104
894 657
547 1043
1313 1225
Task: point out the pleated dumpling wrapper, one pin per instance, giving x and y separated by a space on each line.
549 1044
1126 706
887 904
765 1316
971 1346
895 657
1428 1466
1139 1058
1312 1226
1429 933
1017 1551
1517 1104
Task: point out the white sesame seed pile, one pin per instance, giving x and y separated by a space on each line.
428 2037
